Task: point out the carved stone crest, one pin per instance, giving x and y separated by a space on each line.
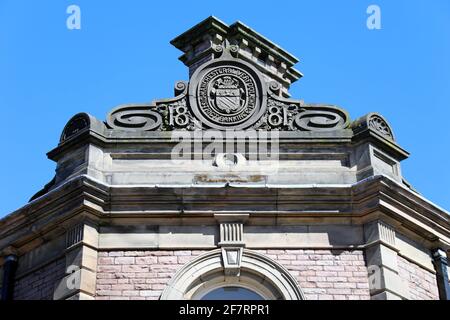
227 96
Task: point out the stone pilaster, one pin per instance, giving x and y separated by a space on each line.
381 257
81 264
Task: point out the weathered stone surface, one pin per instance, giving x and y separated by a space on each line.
327 204
316 284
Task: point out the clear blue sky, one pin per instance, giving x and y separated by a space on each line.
122 54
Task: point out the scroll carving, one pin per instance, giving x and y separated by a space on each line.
134 117
162 115
295 115
321 118
228 95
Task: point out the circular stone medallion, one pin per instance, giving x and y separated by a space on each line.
226 96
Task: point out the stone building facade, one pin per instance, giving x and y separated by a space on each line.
230 185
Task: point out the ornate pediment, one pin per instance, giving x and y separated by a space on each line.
227 90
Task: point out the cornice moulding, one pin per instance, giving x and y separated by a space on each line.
84 197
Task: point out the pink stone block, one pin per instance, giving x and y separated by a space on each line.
183 253
105 260
109 268
124 260
134 268
115 253
168 260
146 260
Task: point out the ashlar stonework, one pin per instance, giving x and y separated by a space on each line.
307 203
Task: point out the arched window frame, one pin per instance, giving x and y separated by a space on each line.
257 272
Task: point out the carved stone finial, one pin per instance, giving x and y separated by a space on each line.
77 124
380 125
373 122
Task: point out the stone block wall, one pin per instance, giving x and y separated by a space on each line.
326 274
138 275
143 275
41 283
422 284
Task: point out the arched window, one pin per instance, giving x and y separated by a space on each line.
259 278
231 293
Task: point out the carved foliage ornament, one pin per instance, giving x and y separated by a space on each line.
227 93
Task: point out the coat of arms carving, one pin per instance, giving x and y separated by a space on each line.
227 94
